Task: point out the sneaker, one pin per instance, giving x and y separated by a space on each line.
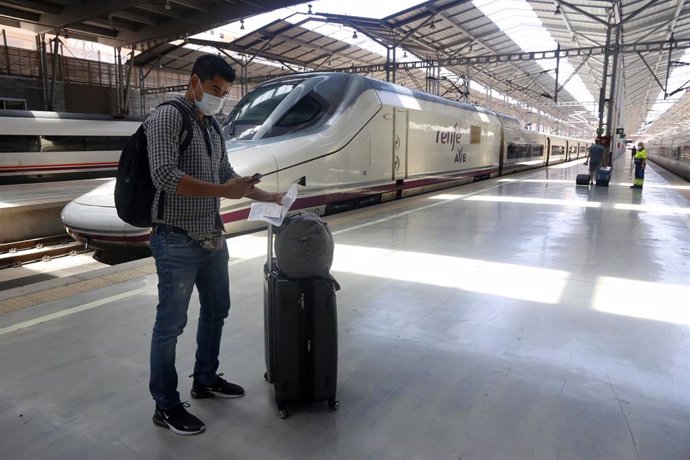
178 420
220 388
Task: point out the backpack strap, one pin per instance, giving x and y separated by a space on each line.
187 130
216 126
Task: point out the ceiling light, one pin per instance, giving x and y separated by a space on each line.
309 12
558 9
241 24
432 25
354 35
404 54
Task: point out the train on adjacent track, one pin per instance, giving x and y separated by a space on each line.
45 146
356 140
672 153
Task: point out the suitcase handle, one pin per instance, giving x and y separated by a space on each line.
269 249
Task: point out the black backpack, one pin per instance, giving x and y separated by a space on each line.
134 189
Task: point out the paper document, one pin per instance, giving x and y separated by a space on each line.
273 213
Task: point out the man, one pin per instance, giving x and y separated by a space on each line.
595 158
640 164
186 240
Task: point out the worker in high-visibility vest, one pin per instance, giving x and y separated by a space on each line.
640 164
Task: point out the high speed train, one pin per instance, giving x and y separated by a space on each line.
672 153
358 141
42 146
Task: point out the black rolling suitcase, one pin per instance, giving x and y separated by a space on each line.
583 179
301 337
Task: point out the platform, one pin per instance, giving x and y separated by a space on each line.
33 210
515 318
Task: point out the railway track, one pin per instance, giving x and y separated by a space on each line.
18 253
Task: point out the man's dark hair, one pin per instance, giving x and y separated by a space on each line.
210 66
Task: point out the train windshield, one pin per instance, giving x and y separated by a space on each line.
254 109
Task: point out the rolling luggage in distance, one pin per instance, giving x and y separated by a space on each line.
604 176
582 179
301 337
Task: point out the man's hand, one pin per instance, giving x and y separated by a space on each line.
239 187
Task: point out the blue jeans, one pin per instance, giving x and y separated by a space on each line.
181 263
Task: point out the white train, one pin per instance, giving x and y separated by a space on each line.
672 153
358 141
38 146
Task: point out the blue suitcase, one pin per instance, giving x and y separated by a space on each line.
604 176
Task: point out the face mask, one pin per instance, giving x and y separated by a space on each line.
209 104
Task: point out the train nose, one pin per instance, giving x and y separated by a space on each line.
92 219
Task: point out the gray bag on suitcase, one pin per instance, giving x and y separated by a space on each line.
304 246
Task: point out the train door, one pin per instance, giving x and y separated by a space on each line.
400 144
548 150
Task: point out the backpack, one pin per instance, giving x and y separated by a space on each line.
304 246
134 189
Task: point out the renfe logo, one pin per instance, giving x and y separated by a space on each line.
452 138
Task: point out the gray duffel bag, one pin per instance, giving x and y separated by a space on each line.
304 246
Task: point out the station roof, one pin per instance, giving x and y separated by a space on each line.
456 33
579 24
121 23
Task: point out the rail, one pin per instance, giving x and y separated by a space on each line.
18 253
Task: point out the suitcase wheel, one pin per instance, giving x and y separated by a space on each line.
283 411
333 404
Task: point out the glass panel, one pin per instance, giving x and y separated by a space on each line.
19 144
254 109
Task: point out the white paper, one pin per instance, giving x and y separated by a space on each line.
273 213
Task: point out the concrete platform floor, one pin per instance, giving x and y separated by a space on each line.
517 318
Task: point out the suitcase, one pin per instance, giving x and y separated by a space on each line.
301 337
582 179
604 176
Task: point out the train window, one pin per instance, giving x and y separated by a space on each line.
516 151
685 153
475 134
62 143
555 150
253 111
13 143
304 114
106 142
82 143
537 150
12 104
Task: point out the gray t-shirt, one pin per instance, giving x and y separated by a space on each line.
596 153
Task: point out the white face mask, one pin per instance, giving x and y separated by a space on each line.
209 104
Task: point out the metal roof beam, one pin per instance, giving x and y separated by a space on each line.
78 13
19 14
135 17
431 8
639 11
190 4
36 7
581 11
